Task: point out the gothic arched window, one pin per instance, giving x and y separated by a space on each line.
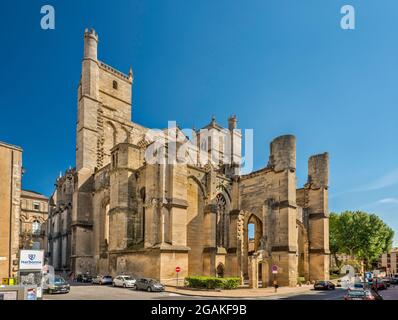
36 227
220 227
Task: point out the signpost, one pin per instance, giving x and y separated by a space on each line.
275 272
31 271
178 269
31 260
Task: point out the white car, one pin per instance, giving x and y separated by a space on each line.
124 281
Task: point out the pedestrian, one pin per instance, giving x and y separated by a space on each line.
276 285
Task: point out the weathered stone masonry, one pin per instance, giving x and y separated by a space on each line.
130 216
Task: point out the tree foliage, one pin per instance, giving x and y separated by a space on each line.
359 234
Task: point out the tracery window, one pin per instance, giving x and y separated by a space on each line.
221 219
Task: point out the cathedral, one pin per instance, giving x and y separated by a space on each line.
135 207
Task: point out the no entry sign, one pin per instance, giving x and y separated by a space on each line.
178 269
274 269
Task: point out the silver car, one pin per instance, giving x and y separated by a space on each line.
149 285
124 281
102 280
56 285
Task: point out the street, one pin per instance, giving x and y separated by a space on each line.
337 294
96 292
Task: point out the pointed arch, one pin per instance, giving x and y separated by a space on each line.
124 136
302 250
201 187
254 239
110 137
222 189
105 221
222 203
220 270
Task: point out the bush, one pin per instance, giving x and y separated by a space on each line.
201 282
300 280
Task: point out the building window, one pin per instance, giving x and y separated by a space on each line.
115 85
221 221
21 229
114 159
36 206
36 227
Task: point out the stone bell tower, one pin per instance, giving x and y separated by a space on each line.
88 101
86 156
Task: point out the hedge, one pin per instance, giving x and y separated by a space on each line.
301 280
212 282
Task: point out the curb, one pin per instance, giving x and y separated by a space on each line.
234 297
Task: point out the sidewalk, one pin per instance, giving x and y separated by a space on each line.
241 292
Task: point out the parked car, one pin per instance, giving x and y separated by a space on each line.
358 285
124 281
394 280
148 285
84 278
56 285
387 281
102 280
360 294
378 284
324 285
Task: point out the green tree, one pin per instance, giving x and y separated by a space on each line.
361 235
333 238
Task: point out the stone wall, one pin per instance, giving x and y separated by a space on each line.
10 195
133 216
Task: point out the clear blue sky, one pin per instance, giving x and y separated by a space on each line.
281 66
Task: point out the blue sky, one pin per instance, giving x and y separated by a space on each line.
281 66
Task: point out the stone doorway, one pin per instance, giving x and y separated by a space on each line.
220 270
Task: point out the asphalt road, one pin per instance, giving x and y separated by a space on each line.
390 294
96 292
337 294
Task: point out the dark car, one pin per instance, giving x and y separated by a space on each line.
324 285
56 285
84 278
359 285
394 280
148 284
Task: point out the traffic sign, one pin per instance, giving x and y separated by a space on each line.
178 269
274 269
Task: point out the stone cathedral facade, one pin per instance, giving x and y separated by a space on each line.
133 216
